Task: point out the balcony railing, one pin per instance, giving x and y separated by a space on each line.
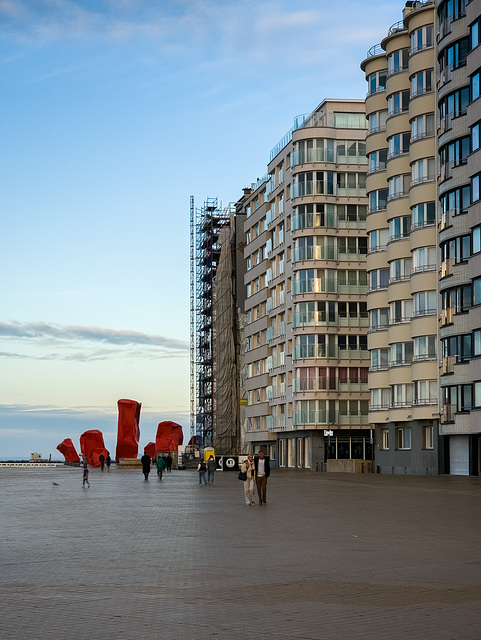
328 351
307 156
322 418
321 252
320 319
326 285
323 188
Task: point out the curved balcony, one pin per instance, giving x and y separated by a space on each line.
326 285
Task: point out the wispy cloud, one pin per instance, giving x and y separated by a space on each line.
47 335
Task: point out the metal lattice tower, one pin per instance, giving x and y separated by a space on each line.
206 224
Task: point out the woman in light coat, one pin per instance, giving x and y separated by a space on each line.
249 469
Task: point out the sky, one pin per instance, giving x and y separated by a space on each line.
114 113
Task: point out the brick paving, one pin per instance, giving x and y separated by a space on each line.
332 556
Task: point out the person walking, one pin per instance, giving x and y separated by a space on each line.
102 461
160 466
108 461
146 462
201 468
85 480
248 467
263 470
211 466
168 461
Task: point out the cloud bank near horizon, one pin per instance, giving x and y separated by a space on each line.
47 335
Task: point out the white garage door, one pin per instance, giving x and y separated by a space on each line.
459 455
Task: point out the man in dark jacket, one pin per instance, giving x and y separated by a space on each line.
145 460
263 471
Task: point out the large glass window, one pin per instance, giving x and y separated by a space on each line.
378 319
422 38
425 347
423 214
398 61
377 121
422 126
424 259
400 269
422 82
378 200
454 55
399 144
423 170
399 227
376 82
398 102
424 303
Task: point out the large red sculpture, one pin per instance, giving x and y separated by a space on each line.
128 433
150 449
92 446
195 441
169 436
67 449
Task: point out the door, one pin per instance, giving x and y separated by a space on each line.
459 455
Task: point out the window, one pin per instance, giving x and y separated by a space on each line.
453 106
454 56
379 279
403 438
399 144
424 347
428 437
402 395
475 129
398 103
376 82
426 392
400 311
476 239
423 170
379 359
475 188
474 34
422 126
399 186
380 398
422 82
422 38
377 121
401 353
377 160
385 439
423 215
424 303
379 319
400 269
378 240
397 61
424 259
455 153
455 202
474 84
399 227
377 200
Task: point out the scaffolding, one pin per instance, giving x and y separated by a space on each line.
206 225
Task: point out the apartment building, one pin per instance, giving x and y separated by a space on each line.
459 118
402 260
306 357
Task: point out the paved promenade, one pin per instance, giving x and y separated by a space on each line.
330 557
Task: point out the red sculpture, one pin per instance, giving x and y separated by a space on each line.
150 449
92 446
169 436
67 449
195 441
128 433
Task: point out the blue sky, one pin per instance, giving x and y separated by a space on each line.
113 114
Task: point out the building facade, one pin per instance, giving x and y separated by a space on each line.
306 356
403 246
459 119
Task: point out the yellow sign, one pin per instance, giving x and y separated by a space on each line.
244 402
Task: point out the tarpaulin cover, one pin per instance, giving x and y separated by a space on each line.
150 449
67 449
167 427
92 446
128 433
